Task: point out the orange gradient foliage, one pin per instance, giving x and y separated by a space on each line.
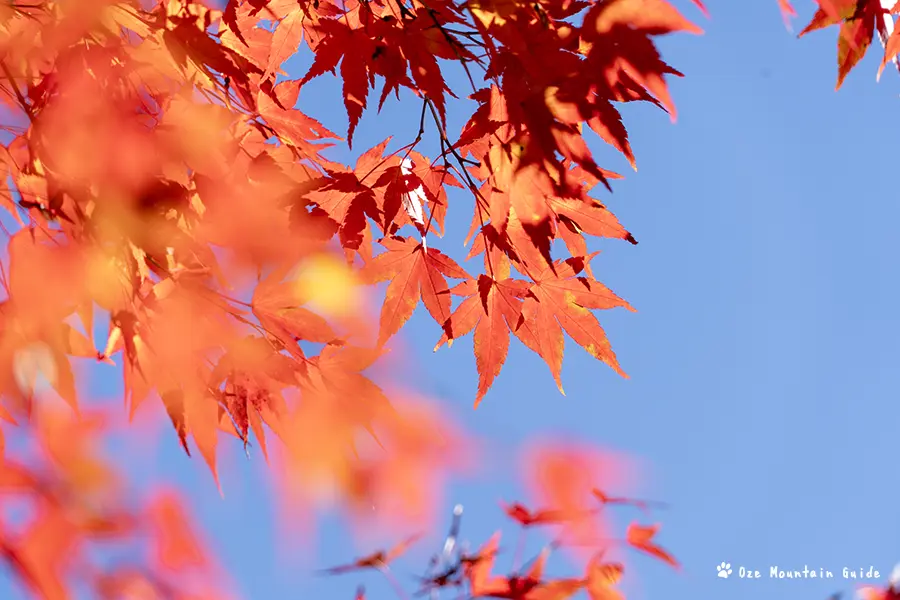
169 189
858 21
177 548
563 476
398 472
77 502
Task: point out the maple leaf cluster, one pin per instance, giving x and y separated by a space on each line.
858 21
163 178
85 531
168 192
572 505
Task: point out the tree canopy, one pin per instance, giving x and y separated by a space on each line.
174 211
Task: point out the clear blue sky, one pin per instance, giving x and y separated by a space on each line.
763 390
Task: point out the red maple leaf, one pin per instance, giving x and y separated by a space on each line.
414 274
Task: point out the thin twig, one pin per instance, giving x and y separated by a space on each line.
445 141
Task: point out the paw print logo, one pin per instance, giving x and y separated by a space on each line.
724 570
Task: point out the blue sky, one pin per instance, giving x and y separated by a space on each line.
762 397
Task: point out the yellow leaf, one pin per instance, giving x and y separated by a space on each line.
106 282
200 130
328 286
492 11
119 15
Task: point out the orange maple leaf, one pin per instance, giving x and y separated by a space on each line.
641 538
619 35
600 579
527 586
347 198
641 504
857 21
277 106
562 475
787 12
167 175
414 274
286 39
561 299
378 560
177 547
276 303
527 518
478 568
340 42
492 307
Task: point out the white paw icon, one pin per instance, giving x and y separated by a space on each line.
724 570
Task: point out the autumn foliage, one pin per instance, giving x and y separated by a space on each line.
172 211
